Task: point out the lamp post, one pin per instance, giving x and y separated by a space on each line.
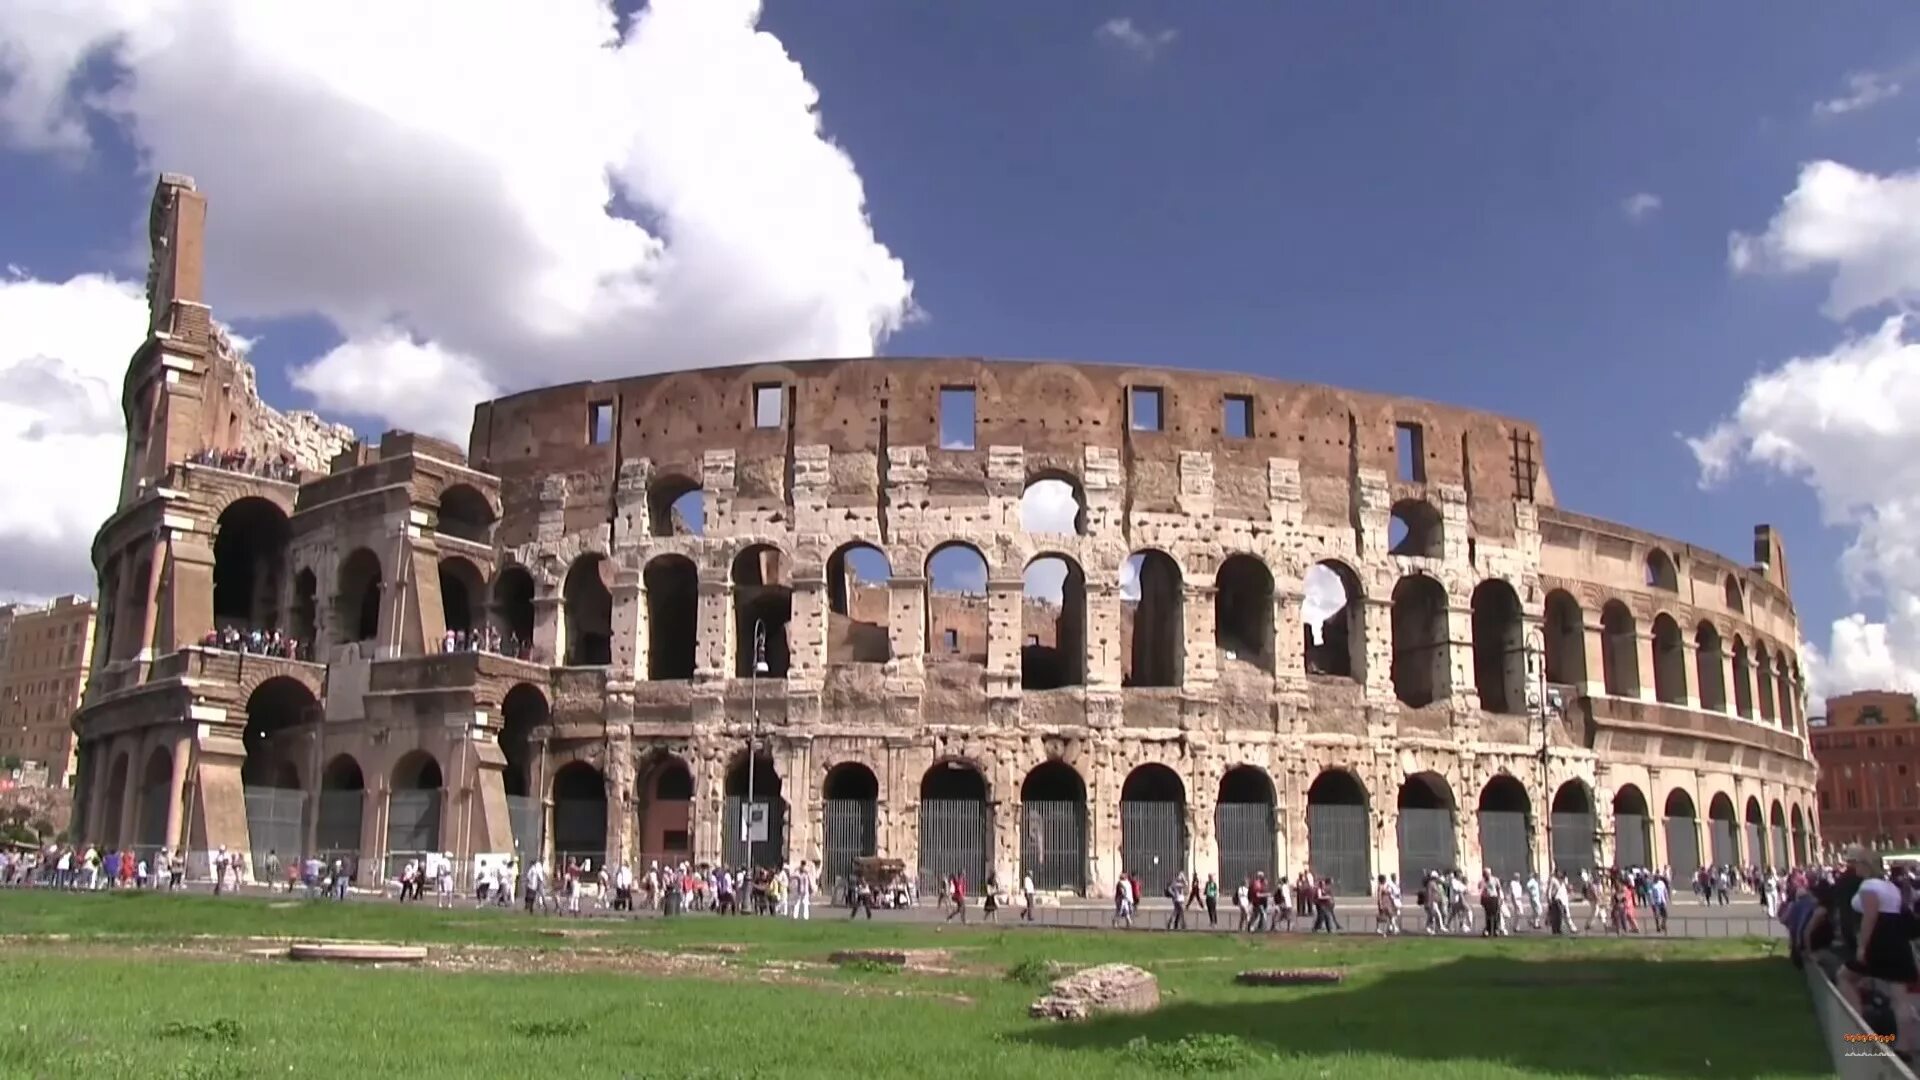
753 729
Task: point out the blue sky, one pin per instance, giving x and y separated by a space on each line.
1418 198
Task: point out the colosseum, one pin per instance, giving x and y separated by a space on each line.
986 616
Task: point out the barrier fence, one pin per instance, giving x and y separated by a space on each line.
1855 1056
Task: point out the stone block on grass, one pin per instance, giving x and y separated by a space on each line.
1106 988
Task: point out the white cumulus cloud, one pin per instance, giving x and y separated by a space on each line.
1861 227
1640 205
1865 89
1141 42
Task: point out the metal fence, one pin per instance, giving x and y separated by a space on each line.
527 820
852 830
1153 843
1427 843
341 813
1573 843
1249 843
1756 851
768 853
413 822
953 840
1632 840
1683 847
1340 843
1724 842
1505 846
276 822
1053 844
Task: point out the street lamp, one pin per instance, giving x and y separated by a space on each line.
753 728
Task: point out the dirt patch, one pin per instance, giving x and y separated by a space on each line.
559 933
718 948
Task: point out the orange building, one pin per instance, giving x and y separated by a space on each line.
1868 748
44 674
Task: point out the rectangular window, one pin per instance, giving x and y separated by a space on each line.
1144 407
956 418
769 405
1033 639
1239 417
600 423
1411 451
953 640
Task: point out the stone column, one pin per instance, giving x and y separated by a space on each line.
177 789
1202 663
907 621
807 629
548 646
130 795
1004 630
1594 638
713 655
1106 658
629 627
1377 628
150 612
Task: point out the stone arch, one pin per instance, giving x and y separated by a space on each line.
587 606
1566 639
1244 827
156 798
512 609
1733 595
1710 666
1053 826
956 603
304 615
1573 824
579 792
343 799
859 602
1426 825
1632 828
762 607
1742 679
1153 826
1620 650
114 806
1683 834
673 616
462 595
465 514
1669 661
676 506
766 789
1506 812
850 801
1763 681
1499 647
1661 573
1340 831
1332 607
1798 822
413 808
1754 838
523 710
1421 666
1156 648
1054 503
1243 612
956 824
1053 623
1414 529
358 587
249 547
1779 845
279 713
1723 827
1071 397
1783 691
665 806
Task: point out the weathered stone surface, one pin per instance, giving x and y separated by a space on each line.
349 952
1107 988
1290 977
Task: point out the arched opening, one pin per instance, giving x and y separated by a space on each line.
1661 574
1573 826
114 804
1710 667
1420 661
1334 629
356 602
281 713
1499 647
343 799
413 810
588 606
461 590
957 612
1799 825
763 817
851 818
1426 829
955 826
859 597
579 815
1619 650
305 615
1763 680
1152 620
465 514
1053 505
1755 851
1414 529
1742 679
676 507
1340 832
1779 853
522 711
1153 827
666 811
1723 828
673 616
1566 644
1244 827
1632 829
1053 827
762 605
249 543
1053 624
1669 661
1735 597
1505 840
156 796
513 610
1783 692
1683 836
1243 613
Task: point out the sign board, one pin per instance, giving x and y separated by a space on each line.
499 862
753 822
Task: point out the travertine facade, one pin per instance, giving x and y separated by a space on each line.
1494 679
44 671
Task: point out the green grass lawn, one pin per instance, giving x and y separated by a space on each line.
132 985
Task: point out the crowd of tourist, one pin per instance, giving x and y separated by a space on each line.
279 467
486 640
1858 923
258 643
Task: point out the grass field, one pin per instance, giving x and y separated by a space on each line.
133 985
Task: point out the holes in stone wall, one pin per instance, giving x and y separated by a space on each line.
1420 661
357 597
1661 573
1332 624
1410 453
513 607
1710 667
1566 639
1620 650
1243 613
464 514
1053 623
675 507
956 417
1499 647
762 606
1669 661
461 590
1415 530
859 597
587 606
248 545
1053 506
957 603
673 616
1152 594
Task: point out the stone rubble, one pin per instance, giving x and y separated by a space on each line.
1106 988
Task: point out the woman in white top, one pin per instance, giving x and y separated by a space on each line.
1885 950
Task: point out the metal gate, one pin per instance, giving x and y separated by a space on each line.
1572 843
953 840
851 831
1777 854
1726 843
1340 843
413 823
153 816
1799 847
1631 841
1756 849
1053 844
1248 843
276 822
1427 843
1504 846
525 818
1683 847
339 825
580 831
1153 843
766 853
